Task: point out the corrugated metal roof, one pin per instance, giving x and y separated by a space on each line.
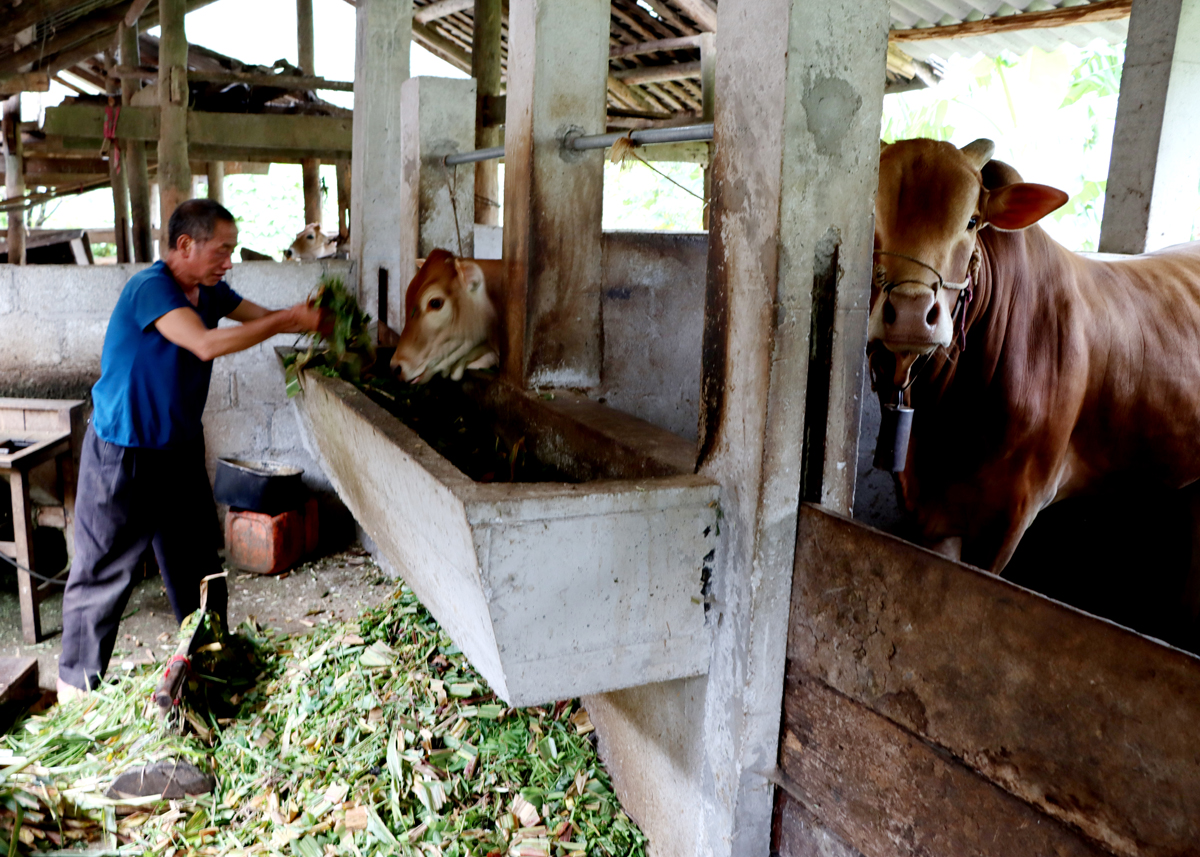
918 14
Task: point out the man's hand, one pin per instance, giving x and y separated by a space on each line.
304 318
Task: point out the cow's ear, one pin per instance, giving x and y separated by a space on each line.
470 274
1016 206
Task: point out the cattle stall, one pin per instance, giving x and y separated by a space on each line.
766 674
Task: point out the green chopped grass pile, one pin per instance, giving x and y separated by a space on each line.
361 738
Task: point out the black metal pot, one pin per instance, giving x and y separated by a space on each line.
259 486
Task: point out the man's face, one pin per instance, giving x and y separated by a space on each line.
207 262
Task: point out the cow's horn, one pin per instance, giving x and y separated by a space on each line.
979 152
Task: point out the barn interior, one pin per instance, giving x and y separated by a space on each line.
707 393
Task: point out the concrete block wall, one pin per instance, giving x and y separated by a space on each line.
52 324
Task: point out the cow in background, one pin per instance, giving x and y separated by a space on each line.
311 244
452 313
1035 373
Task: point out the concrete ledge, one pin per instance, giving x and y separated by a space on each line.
552 590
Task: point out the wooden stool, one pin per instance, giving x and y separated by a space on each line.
33 431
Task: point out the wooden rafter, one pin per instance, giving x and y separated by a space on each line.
1093 13
440 9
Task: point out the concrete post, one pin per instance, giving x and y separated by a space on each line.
134 153
485 68
557 79
174 169
1154 172
438 202
794 176
14 176
376 221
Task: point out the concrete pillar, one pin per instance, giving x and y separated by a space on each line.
794 178
134 154
437 202
216 181
486 69
14 176
1154 172
174 169
557 80
380 66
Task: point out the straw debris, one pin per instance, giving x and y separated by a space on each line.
360 738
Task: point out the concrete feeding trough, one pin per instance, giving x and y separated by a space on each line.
553 590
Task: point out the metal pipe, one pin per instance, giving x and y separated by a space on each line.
647 136
475 156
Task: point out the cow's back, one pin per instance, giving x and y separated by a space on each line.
1140 418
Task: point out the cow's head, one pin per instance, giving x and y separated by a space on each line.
449 320
311 244
931 205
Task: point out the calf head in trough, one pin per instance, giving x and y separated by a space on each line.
451 318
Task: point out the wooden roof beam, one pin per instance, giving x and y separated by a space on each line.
440 9
441 47
29 13
703 12
658 73
1093 13
681 43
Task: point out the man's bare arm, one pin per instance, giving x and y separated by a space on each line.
184 328
248 311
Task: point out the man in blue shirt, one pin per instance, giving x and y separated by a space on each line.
142 478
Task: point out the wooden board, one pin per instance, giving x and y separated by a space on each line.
886 793
18 679
323 136
1093 724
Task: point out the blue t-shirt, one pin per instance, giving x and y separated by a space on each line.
151 392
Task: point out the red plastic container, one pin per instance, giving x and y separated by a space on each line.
271 544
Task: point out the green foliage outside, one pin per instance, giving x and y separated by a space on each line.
1051 116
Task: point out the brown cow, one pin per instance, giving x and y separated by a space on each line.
311 244
452 316
1035 373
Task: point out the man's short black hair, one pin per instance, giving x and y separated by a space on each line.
196 218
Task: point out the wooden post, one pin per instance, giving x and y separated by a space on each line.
557 78
216 181
117 171
485 68
27 591
708 100
137 179
14 177
174 170
309 167
380 66
343 199
1150 199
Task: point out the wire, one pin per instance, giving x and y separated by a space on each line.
31 572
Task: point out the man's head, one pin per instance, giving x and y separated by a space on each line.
201 238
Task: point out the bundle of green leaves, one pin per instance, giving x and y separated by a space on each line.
347 352
361 738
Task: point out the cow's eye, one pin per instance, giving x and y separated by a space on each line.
309 236
436 303
973 222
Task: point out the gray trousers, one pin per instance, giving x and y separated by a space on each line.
129 499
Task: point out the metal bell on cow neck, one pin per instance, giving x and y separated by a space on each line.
891 447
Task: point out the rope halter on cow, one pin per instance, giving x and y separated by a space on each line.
965 289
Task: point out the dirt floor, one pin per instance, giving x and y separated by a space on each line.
331 588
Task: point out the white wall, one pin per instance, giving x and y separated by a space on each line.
52 324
